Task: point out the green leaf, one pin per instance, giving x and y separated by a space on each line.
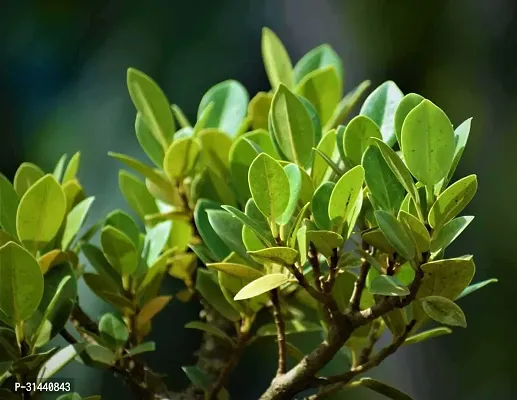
356 137
261 232
276 60
137 195
269 186
180 158
461 135
215 148
320 171
211 186
445 235
75 220
278 255
207 285
258 110
26 176
396 234
230 102
407 104
98 356
416 229
405 274
210 238
180 116
376 238
9 349
242 154
381 181
59 360
386 285
382 388
141 348
291 237
113 331
107 291
150 309
72 168
58 169
40 213
342 289
444 311
428 143
345 106
380 107
156 239
324 241
21 283
294 176
229 229
148 142
398 168
472 288
8 205
119 250
342 203
426 335
152 103
323 88
291 327
211 329
231 285
121 221
292 126
261 285
99 262
237 270
452 201
320 205
317 58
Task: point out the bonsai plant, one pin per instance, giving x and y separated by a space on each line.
280 214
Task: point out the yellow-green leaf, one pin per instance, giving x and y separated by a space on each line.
276 60
261 285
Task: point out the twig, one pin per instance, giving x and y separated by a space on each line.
67 336
373 337
280 333
360 283
315 262
306 285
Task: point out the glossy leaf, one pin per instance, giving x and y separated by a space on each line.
344 196
444 311
386 285
324 241
113 330
99 262
472 288
261 285
237 270
208 287
356 137
320 205
428 143
58 169
119 250
59 360
8 205
396 234
40 213
215 147
148 141
121 221
211 329
72 168
262 232
407 104
229 229
278 255
380 107
292 126
276 60
320 171
445 235
345 106
416 229
75 220
258 110
269 186
152 104
452 201
317 58
137 195
107 291
26 175
426 335
212 240
21 283
294 176
180 158
381 181
461 135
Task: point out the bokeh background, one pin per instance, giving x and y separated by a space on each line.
62 89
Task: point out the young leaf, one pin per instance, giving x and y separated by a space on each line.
428 143
40 213
269 186
211 329
113 331
8 205
230 102
472 288
152 104
137 195
148 142
445 235
21 283
238 270
58 169
409 102
261 285
356 137
429 334
26 176
317 58
396 234
141 348
74 221
444 311
180 158
381 181
387 286
323 88
278 255
258 110
292 126
72 168
452 201
276 60
119 250
215 149
344 196
151 308
345 106
208 287
380 107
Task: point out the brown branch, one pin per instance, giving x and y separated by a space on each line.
373 337
359 285
315 262
280 333
306 285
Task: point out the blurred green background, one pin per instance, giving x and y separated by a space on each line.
62 89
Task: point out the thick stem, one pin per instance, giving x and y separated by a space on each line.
280 333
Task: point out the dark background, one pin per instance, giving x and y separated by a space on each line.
62 89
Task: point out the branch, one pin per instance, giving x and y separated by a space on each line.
306 285
315 262
359 285
280 333
373 337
